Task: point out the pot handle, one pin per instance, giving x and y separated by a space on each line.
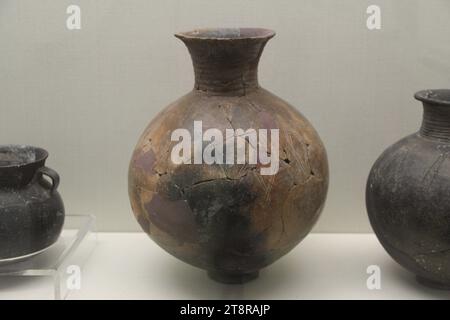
52 174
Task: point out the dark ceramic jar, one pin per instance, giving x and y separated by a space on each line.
31 210
408 195
228 217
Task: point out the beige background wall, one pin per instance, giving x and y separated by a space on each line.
87 95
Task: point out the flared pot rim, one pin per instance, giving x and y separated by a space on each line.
439 97
226 34
40 155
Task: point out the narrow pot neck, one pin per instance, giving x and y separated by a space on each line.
18 177
225 66
219 73
436 122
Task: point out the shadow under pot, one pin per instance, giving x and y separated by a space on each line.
407 195
31 210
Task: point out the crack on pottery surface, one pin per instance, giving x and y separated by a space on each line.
283 228
433 171
251 103
398 169
216 179
244 85
160 174
230 122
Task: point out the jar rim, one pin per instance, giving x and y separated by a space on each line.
434 96
221 34
27 155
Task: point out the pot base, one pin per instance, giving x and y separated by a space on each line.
232 278
13 260
433 284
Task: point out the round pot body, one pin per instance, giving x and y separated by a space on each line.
203 203
407 195
31 210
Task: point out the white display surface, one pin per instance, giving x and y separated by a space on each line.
323 266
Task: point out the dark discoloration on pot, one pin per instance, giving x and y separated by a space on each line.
408 195
31 210
228 219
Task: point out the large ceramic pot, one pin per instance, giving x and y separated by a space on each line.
408 195
31 210
189 185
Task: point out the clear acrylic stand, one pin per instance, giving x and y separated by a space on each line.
57 271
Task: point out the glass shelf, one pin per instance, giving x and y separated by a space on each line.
55 272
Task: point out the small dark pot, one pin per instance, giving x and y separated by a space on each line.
31 210
408 195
